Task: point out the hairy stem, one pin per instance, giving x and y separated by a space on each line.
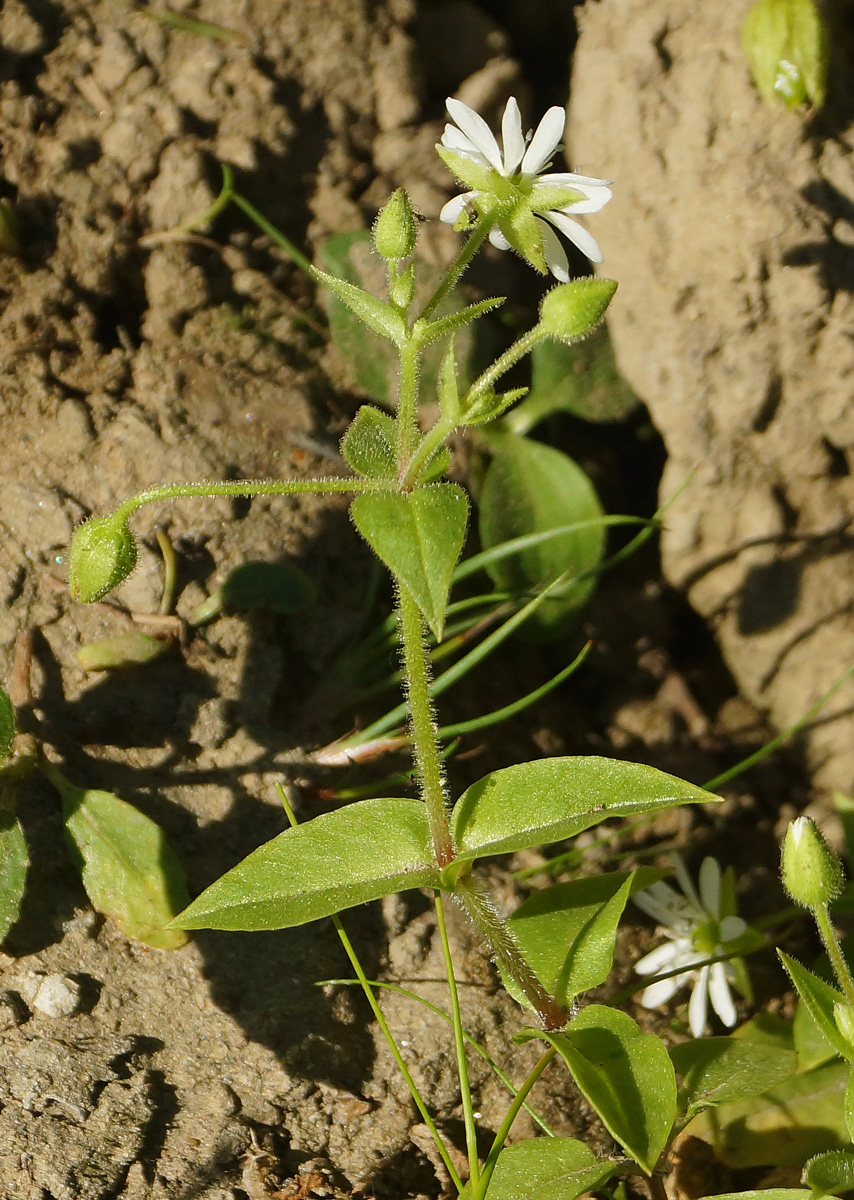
460 1045
466 254
407 407
249 487
837 959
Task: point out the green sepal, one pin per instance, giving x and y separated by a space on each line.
419 536
522 231
378 315
486 406
370 444
362 852
830 1173
425 332
476 177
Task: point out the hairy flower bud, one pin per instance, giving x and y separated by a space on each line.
812 874
785 42
394 231
103 554
571 310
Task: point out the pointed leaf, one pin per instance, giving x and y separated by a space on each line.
849 1105
370 444
532 804
419 536
722 1070
626 1075
819 998
13 861
378 315
830 1173
811 1044
7 725
427 332
128 870
546 1168
340 859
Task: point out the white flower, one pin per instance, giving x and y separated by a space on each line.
696 931
509 186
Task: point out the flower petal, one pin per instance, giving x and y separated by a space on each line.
545 141
684 880
594 199
556 259
662 958
570 179
663 903
721 996
577 234
498 239
476 130
710 886
731 928
451 211
698 1004
662 991
454 139
512 137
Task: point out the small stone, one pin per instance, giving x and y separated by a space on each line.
57 996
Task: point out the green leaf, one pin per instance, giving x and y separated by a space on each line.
799 1117
722 1070
340 859
277 587
7 726
819 998
128 870
543 1168
427 332
132 649
532 804
566 932
849 1105
830 1173
379 316
419 536
625 1075
811 1044
370 444
530 488
13 861
765 1194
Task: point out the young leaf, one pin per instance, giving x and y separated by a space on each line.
765 1194
340 859
830 1173
132 649
625 1075
370 444
427 332
419 536
556 1168
811 1044
849 1105
7 725
13 861
532 804
128 870
722 1070
378 315
819 998
556 929
530 488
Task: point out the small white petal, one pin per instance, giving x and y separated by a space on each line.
684 879
511 136
594 200
577 234
720 995
697 1007
476 130
710 886
662 903
455 140
662 991
498 239
731 928
544 142
662 958
570 179
556 259
451 211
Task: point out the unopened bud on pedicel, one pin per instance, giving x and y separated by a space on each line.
811 872
394 230
785 42
570 310
102 554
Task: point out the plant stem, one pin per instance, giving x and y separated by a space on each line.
522 346
249 487
507 1124
460 1044
425 748
430 444
407 407
466 254
837 959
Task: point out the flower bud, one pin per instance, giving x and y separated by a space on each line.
402 290
103 554
394 231
812 874
785 42
571 310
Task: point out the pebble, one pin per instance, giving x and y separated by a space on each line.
55 995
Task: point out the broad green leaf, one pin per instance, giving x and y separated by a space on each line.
277 587
830 1173
800 1117
7 725
546 1168
557 930
530 488
767 1029
13 860
819 998
128 870
765 1194
370 444
722 1070
340 859
532 804
849 1105
627 1077
419 536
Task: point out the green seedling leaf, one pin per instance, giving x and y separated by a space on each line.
765 1194
530 488
830 1173
370 444
14 860
532 804
819 998
129 872
125 650
849 1105
7 726
379 316
557 1168
277 587
723 1070
626 1075
800 1117
566 932
340 859
419 536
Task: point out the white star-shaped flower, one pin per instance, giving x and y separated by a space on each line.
510 186
696 931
